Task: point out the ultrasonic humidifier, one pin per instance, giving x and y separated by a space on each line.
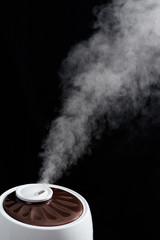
44 212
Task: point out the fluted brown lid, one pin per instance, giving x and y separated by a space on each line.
62 208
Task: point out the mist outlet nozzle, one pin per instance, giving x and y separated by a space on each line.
33 193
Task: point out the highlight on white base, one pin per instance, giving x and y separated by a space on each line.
33 193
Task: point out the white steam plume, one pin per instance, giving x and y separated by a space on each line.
112 72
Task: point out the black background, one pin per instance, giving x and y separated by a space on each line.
121 177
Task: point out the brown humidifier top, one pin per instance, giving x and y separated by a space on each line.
62 208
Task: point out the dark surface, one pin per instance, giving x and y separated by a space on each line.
61 209
121 178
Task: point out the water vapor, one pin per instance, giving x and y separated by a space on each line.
112 73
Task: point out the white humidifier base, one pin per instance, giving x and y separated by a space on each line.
12 229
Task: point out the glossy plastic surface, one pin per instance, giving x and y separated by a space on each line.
80 229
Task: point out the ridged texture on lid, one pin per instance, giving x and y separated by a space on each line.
61 209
